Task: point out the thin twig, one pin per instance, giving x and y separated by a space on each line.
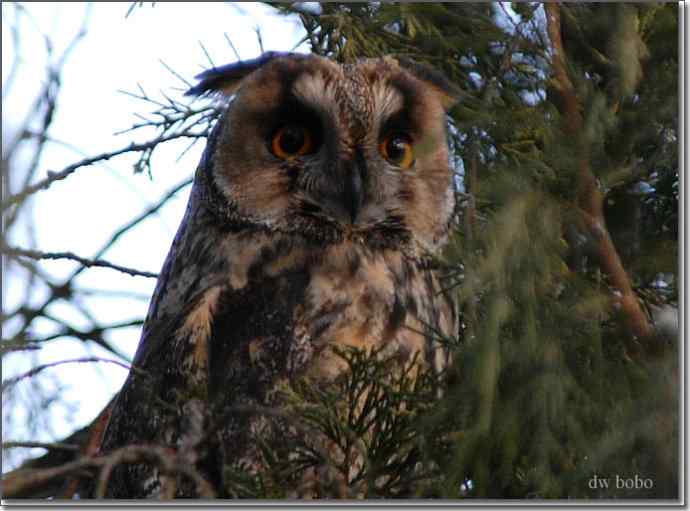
259 38
20 482
174 73
14 380
227 38
113 239
136 220
12 345
94 335
208 56
37 254
42 445
56 176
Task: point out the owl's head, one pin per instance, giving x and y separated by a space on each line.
330 152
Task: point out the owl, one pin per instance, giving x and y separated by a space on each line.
323 194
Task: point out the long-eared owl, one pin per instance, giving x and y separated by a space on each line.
322 195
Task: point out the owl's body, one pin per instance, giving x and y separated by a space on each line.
286 252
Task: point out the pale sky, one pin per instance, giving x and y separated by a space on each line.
80 213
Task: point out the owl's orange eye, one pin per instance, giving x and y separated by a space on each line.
397 149
292 141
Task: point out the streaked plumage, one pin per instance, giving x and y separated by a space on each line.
307 227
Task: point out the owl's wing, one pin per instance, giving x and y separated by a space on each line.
171 360
195 266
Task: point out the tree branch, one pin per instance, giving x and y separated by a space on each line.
16 379
590 197
20 482
69 170
40 445
37 254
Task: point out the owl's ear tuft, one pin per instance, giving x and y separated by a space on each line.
448 92
228 78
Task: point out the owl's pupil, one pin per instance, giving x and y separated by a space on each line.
292 139
396 148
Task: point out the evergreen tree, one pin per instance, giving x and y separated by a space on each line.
566 147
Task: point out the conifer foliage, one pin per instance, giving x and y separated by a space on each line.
565 143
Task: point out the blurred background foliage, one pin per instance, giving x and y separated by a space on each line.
566 148
564 256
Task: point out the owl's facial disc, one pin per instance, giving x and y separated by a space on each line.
328 152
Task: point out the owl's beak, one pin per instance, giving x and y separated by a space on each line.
347 184
353 195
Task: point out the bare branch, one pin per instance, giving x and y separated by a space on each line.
56 176
134 5
175 73
36 254
136 220
31 315
41 445
11 345
46 99
12 381
208 56
259 38
234 50
95 334
21 481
